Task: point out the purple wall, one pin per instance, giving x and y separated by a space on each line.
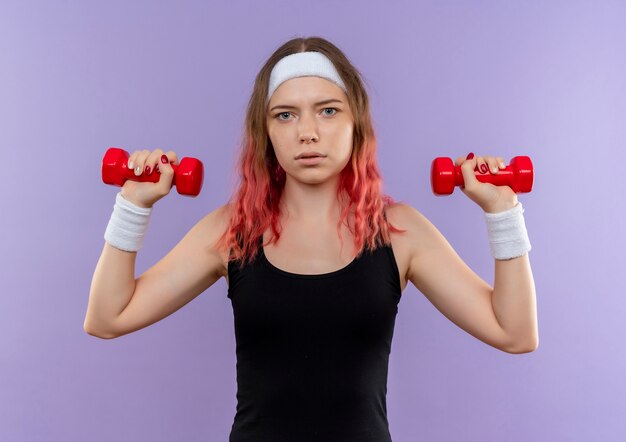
545 79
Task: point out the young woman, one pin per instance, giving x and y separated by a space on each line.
315 256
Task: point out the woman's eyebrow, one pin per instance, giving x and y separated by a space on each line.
319 103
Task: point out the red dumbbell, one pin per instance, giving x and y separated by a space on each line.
519 175
188 175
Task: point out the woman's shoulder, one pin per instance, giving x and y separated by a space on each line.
218 218
406 217
401 212
418 238
213 225
405 242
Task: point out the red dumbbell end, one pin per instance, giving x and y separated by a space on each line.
189 176
524 174
114 166
442 176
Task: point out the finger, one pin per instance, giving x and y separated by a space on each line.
460 160
492 162
139 160
131 160
171 155
467 170
153 161
167 174
501 163
481 165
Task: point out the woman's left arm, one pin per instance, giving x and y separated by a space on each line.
503 316
513 298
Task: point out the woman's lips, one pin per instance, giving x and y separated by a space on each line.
310 153
310 160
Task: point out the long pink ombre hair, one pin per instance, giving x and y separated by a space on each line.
255 205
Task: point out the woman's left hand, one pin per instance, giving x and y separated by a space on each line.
490 198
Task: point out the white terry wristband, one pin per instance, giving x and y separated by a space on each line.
128 225
507 233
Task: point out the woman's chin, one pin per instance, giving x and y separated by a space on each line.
312 177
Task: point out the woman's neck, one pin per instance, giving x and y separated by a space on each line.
311 203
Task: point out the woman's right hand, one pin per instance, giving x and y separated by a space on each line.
145 194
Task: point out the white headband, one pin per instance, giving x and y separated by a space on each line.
303 64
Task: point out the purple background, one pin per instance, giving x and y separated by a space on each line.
545 79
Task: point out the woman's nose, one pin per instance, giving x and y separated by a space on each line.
308 138
307 130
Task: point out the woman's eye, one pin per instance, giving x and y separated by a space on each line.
328 111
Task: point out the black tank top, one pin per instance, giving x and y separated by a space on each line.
313 350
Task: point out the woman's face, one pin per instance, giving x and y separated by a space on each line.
310 115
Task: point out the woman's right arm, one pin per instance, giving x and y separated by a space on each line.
112 287
119 304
